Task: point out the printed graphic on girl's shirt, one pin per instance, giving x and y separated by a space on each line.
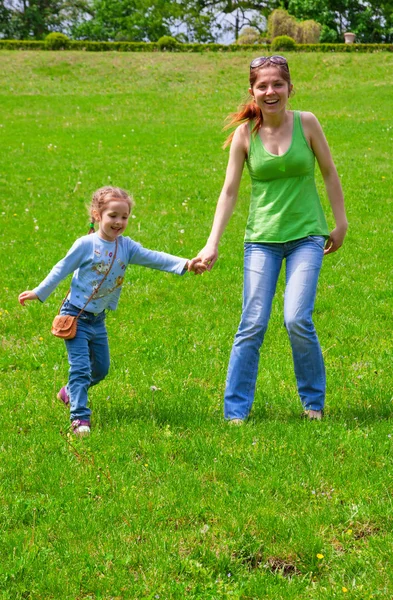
101 268
121 264
108 290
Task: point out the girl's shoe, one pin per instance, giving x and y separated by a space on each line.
236 421
80 428
63 396
312 415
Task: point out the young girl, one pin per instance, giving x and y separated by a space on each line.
285 221
90 258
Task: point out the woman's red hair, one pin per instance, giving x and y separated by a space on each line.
246 113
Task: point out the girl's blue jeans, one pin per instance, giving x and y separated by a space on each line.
262 265
88 357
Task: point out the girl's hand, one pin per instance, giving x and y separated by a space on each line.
27 296
197 266
335 240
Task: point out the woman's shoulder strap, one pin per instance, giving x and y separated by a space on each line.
297 121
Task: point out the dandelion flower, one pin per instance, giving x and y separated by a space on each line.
319 556
344 589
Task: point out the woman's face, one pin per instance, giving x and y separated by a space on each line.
270 90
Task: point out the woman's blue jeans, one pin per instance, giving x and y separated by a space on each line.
262 265
88 357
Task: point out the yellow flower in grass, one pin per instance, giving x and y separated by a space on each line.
344 589
319 556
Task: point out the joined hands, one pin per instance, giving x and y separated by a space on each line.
196 265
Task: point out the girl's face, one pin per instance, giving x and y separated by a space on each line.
270 91
113 219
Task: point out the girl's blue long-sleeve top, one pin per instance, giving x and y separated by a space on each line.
89 259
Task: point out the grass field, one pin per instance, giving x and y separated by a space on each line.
164 499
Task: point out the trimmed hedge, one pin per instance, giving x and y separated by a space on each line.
57 41
283 42
125 46
23 45
344 48
154 47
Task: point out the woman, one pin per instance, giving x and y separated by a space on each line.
286 221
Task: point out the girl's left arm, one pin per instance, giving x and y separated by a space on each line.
320 147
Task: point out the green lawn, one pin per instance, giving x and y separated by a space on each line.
164 499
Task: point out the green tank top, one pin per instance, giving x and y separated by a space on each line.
284 203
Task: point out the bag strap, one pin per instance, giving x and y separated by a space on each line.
95 290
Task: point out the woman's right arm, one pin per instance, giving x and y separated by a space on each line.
228 196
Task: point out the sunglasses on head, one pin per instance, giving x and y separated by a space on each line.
275 60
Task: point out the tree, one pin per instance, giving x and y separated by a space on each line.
371 21
225 16
234 15
195 22
308 32
5 21
131 20
280 22
36 18
190 20
249 36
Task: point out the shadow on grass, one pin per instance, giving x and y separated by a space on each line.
199 412
175 414
354 415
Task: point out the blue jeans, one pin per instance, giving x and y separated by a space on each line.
262 265
88 357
